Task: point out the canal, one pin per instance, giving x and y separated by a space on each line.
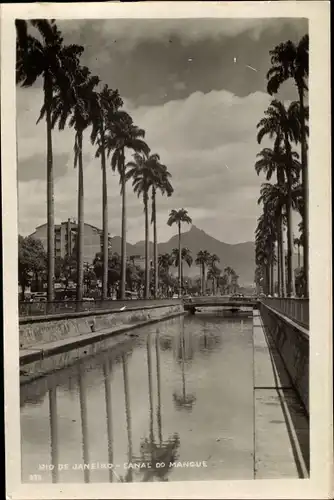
168 402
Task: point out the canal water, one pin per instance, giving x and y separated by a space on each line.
168 402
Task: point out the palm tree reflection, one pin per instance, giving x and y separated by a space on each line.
129 476
157 457
107 389
54 432
183 400
84 425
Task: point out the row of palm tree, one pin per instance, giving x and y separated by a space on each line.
287 127
75 97
208 266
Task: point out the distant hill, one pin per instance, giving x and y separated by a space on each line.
239 256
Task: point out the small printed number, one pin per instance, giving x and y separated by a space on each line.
35 477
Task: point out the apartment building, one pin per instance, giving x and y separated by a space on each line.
66 236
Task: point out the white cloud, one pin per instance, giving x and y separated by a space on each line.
208 142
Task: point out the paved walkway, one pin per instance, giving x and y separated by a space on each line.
281 428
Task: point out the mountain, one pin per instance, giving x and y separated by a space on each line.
239 256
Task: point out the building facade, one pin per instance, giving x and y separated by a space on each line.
66 237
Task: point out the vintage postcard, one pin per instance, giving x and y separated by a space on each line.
166 250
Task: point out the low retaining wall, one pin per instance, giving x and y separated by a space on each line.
42 330
292 343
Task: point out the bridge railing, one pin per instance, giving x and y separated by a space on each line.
295 309
219 300
27 309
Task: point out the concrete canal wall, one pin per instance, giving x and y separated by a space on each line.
292 343
45 336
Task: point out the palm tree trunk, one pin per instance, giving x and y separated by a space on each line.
123 251
50 190
180 260
204 279
272 281
305 188
147 264
298 256
278 269
104 220
181 275
283 280
80 246
290 284
155 244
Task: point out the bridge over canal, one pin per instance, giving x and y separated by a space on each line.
234 303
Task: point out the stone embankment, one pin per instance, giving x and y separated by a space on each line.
46 337
292 343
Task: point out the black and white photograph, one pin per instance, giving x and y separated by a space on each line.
166 246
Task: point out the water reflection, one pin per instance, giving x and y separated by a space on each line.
53 433
156 457
122 406
129 475
84 422
107 367
184 400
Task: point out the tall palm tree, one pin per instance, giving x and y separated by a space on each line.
77 109
140 172
123 135
271 161
291 60
177 217
105 105
46 56
202 260
160 180
283 124
185 257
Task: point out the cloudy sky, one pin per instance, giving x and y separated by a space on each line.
189 85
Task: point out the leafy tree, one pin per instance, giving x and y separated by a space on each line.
31 260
